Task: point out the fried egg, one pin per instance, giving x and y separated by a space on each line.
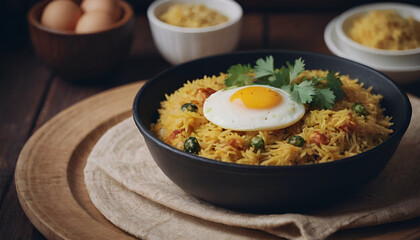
252 108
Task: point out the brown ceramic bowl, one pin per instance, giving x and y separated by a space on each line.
82 56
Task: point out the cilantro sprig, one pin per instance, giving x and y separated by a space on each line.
321 92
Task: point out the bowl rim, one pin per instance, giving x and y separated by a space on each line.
363 9
145 131
156 21
127 10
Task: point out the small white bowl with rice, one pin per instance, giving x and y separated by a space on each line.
179 44
387 55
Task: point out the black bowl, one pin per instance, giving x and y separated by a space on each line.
269 188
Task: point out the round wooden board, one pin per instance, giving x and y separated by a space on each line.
50 182
49 172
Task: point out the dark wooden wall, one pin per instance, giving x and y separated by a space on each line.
14 32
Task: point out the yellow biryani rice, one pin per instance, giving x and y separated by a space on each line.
192 16
386 29
330 134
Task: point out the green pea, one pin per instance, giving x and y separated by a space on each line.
359 108
257 142
297 141
190 107
191 145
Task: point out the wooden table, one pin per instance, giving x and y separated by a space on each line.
31 94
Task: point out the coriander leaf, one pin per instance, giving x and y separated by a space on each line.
263 67
313 91
279 78
334 83
316 80
238 75
288 88
324 98
303 92
296 69
272 78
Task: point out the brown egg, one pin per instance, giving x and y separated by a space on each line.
94 22
111 6
61 15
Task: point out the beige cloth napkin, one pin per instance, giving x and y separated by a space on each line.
128 188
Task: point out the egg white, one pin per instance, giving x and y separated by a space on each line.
219 110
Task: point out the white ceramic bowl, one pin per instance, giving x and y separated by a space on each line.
407 58
180 44
401 66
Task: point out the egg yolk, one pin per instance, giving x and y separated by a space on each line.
256 97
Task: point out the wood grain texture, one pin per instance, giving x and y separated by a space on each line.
308 5
253 31
24 82
12 213
20 96
303 31
26 92
49 172
31 95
